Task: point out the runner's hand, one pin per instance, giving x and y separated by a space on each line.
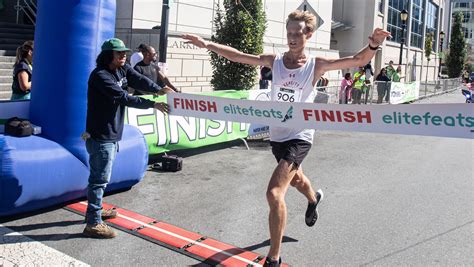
378 36
195 40
163 107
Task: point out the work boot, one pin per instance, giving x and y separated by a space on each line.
100 230
108 214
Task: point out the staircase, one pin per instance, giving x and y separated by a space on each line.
6 76
11 36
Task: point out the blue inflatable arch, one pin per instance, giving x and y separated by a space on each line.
41 171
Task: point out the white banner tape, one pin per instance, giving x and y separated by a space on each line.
447 120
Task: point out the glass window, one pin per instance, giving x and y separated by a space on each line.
417 20
394 25
432 23
466 16
467 33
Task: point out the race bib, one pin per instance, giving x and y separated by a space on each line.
282 94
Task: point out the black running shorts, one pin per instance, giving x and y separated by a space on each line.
293 151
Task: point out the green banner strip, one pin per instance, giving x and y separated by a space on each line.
167 133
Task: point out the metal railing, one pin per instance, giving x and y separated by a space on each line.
28 7
332 94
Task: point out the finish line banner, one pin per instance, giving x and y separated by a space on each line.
167 133
446 120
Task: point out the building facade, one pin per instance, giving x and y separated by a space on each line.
466 7
355 20
189 67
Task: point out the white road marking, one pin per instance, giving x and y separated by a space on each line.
19 250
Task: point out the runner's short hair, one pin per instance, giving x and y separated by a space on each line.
305 16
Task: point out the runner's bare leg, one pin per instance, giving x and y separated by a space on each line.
277 187
303 185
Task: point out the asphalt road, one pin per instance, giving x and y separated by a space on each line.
390 200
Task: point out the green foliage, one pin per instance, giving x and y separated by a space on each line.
428 45
241 27
457 48
469 68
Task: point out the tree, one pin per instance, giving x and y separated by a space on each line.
469 67
428 50
457 48
241 27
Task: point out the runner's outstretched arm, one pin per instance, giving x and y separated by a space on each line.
230 52
360 59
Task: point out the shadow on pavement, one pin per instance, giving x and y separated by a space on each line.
36 226
8 235
266 243
222 256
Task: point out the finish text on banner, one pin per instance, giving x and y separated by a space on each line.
447 120
169 133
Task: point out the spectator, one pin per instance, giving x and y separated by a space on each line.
148 68
22 71
366 90
107 97
359 80
396 76
321 84
137 56
465 76
383 86
345 90
390 70
369 71
265 77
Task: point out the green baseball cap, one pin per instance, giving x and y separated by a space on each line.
114 44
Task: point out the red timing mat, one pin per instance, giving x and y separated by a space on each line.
195 245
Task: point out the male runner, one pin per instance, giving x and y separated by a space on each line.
294 74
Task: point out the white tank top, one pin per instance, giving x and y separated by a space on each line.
292 85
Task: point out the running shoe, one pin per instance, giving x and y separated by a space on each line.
312 214
270 263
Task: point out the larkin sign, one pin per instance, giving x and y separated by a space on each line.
181 45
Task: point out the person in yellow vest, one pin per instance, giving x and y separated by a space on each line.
359 80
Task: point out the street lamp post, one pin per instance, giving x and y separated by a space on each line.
403 17
441 39
164 32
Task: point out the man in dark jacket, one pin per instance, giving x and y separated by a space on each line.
107 97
